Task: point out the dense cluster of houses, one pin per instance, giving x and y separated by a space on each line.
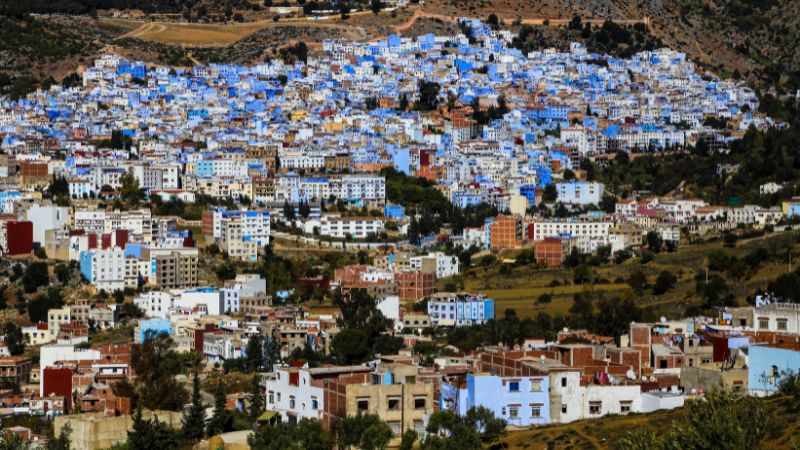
577 376
321 129
303 145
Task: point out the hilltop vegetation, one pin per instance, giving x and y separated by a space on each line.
20 8
739 422
609 38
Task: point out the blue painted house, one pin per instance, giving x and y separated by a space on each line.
520 401
766 366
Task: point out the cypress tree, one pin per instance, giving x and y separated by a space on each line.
193 420
256 401
222 420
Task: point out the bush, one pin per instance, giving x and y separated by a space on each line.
664 282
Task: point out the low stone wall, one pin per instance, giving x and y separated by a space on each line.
95 431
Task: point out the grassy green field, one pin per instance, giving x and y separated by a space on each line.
519 288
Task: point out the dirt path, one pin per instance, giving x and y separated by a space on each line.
419 13
201 34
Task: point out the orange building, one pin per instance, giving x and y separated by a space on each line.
506 233
552 251
414 285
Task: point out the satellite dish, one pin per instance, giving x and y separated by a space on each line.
566 330
663 319
630 374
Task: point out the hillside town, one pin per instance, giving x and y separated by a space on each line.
315 227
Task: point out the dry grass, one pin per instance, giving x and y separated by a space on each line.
520 288
194 34
219 35
586 434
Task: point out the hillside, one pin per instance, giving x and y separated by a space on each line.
754 39
774 425
757 39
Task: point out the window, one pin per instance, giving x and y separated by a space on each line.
362 404
513 386
662 364
782 324
513 412
419 427
393 403
395 427
536 411
625 406
419 402
563 381
314 404
763 322
291 402
594 407
272 397
536 385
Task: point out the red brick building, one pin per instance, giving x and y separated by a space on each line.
414 285
506 233
552 251
16 367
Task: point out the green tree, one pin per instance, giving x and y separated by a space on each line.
14 442
151 434
14 339
36 275
729 239
156 363
193 420
407 440
60 442
39 306
638 281
255 354
544 299
222 420
308 434
288 211
351 346
664 282
428 95
365 431
550 194
654 241
722 416
305 209
493 21
386 344
582 274
478 427
225 271
129 189
403 104
256 399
